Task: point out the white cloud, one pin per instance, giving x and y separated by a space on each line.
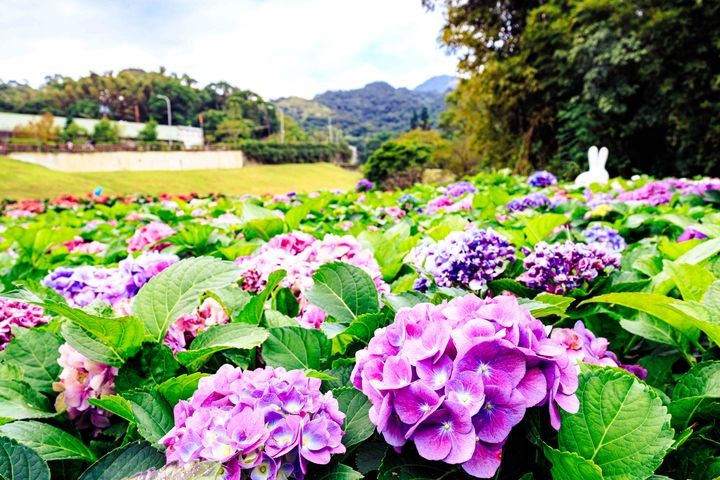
275 47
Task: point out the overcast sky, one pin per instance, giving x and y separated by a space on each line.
274 47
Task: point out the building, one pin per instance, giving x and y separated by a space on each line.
188 136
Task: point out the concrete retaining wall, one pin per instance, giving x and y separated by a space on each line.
134 161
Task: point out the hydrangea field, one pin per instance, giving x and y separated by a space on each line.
499 327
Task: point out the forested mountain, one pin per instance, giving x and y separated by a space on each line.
439 84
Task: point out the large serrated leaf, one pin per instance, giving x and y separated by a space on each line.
49 442
153 415
35 352
692 280
125 461
180 388
176 291
622 425
208 470
694 391
221 337
356 406
114 404
296 348
19 401
343 291
571 466
252 313
538 228
18 462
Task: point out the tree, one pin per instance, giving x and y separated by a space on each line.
409 153
106 132
414 121
42 130
424 119
73 132
149 132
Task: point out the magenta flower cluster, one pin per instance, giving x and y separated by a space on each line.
542 178
149 234
455 378
561 267
662 191
609 237
183 330
301 255
268 423
364 185
80 380
691 233
469 258
583 346
86 284
530 201
14 313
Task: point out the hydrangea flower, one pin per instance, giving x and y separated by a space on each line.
408 201
458 189
301 255
469 258
81 379
364 185
393 211
530 201
14 313
79 245
149 234
446 204
189 326
689 233
86 284
561 267
455 378
583 346
607 236
542 178
268 423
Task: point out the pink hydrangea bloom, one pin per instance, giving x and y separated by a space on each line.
267 423
81 379
394 211
301 255
187 327
149 234
455 378
14 313
78 245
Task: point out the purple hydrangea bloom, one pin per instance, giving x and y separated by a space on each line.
455 378
606 236
408 201
561 267
458 189
14 313
583 346
531 201
86 284
593 200
542 178
470 258
259 422
689 233
364 185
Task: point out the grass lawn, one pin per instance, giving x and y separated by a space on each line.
20 180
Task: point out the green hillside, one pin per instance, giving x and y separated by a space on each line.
23 180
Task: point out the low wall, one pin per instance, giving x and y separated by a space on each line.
133 161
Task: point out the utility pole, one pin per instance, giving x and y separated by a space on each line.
330 132
169 115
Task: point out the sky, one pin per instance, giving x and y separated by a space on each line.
273 47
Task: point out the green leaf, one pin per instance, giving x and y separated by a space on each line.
712 296
356 406
298 213
49 442
341 472
343 291
410 466
19 401
540 227
547 304
694 391
692 280
509 285
622 425
176 291
152 366
284 301
221 337
125 461
233 299
296 348
651 328
571 466
153 414
370 455
114 404
253 311
18 462
208 470
405 300
363 327
264 228
35 353
180 388
705 250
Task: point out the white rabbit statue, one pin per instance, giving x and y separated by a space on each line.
597 172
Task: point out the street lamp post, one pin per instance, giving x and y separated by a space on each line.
169 115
